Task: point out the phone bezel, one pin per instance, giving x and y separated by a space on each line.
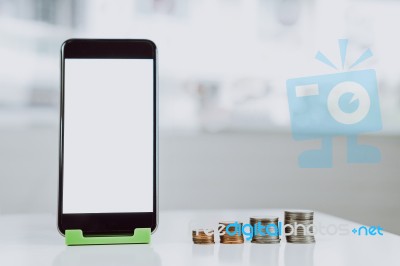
109 223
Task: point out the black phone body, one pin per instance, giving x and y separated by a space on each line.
108 145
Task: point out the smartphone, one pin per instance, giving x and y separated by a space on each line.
108 159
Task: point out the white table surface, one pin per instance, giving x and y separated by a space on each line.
34 240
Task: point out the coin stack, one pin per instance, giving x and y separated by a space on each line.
270 237
299 218
227 239
202 238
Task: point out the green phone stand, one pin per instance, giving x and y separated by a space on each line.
76 238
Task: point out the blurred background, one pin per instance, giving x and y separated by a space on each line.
225 139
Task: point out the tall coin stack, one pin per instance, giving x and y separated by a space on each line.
268 237
200 237
227 239
303 220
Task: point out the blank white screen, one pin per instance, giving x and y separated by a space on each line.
108 136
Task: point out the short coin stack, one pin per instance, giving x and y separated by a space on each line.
203 236
265 237
304 221
225 238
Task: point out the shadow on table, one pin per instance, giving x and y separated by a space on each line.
107 255
264 254
231 254
299 254
202 251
